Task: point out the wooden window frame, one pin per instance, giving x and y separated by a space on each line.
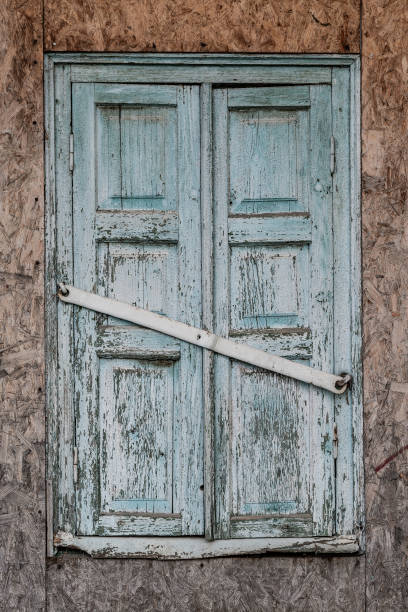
205 70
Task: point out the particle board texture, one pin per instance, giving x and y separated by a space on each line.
22 511
259 583
262 26
385 285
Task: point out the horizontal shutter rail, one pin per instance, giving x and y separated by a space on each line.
204 339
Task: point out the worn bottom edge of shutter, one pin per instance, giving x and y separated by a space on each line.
199 548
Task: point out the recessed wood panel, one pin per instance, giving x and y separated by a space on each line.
136 435
269 445
268 149
136 149
268 287
142 275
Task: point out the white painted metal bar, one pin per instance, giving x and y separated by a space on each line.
200 337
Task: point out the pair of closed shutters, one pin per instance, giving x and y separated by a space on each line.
140 396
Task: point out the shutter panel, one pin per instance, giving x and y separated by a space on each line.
136 216
274 469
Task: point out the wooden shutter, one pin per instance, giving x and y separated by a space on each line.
274 467
136 229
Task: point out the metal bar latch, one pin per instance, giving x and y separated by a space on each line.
205 339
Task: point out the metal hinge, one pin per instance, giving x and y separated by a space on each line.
71 152
335 441
75 464
332 154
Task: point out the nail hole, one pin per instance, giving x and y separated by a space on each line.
198 336
39 389
201 487
34 123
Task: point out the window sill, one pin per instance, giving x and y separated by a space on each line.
199 548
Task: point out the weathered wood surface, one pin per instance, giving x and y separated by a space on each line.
233 73
262 162
152 465
385 255
114 276
187 25
272 583
193 547
22 478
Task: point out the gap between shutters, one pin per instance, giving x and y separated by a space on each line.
204 339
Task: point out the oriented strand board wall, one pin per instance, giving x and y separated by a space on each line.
228 585
22 513
266 26
385 261
268 583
